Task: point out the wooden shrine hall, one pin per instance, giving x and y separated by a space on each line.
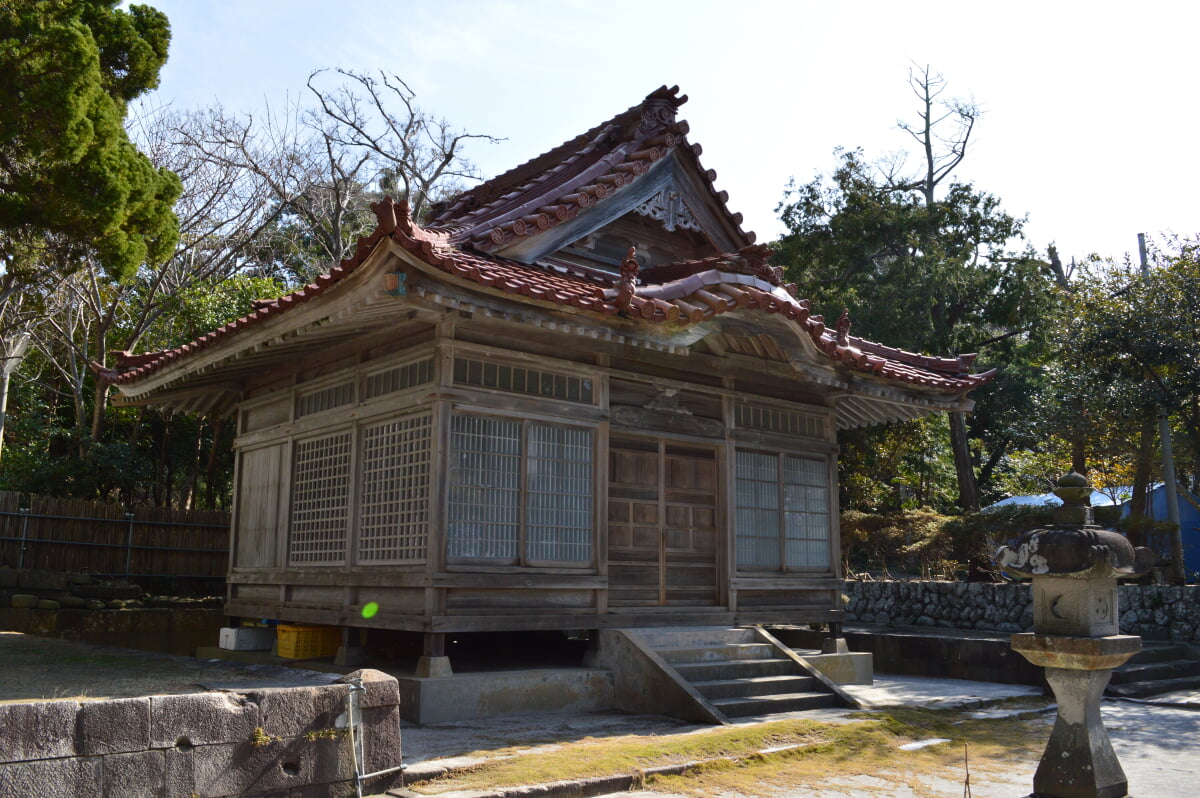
576 397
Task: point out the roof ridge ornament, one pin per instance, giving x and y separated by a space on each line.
843 328
658 109
630 269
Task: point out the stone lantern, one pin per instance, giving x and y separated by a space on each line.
1074 566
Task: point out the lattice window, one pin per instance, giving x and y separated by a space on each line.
519 491
485 488
324 399
782 511
393 524
805 512
320 500
399 378
532 382
784 422
559 465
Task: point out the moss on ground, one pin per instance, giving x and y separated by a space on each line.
807 753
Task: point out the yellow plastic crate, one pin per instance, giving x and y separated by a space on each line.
308 642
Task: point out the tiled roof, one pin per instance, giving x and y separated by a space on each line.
681 294
555 186
464 239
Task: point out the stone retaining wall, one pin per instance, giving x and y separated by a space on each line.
1155 612
283 741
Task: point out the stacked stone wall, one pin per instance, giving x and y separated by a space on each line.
1155 612
270 742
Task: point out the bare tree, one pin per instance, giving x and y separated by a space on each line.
417 155
943 132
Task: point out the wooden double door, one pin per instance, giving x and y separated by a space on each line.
662 525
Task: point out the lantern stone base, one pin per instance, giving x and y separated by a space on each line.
1076 653
1079 761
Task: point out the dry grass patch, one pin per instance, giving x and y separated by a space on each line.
810 752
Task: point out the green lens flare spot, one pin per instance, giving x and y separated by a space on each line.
369 609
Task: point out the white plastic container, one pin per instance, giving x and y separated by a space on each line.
246 638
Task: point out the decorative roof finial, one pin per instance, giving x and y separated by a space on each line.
630 269
843 328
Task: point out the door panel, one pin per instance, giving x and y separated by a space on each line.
662 526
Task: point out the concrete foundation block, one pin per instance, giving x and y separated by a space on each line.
42 730
482 695
113 727
136 775
434 668
847 668
21 601
52 778
203 719
290 712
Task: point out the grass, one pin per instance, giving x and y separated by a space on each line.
868 746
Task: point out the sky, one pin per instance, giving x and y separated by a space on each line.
1089 124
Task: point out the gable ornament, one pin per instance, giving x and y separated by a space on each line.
668 207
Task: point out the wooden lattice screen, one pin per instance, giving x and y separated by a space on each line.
394 496
782 498
559 465
320 500
485 488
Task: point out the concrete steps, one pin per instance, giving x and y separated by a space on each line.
739 672
1156 669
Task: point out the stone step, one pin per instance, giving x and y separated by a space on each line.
1153 688
736 669
755 686
1155 671
773 704
681 637
727 651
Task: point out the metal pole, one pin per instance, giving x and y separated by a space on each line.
351 708
1168 460
129 544
24 511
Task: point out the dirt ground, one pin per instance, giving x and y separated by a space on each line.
38 669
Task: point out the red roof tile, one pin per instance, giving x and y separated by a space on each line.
699 290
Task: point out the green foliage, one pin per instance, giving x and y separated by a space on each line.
880 542
72 182
1138 333
927 274
897 467
931 277
207 305
933 545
